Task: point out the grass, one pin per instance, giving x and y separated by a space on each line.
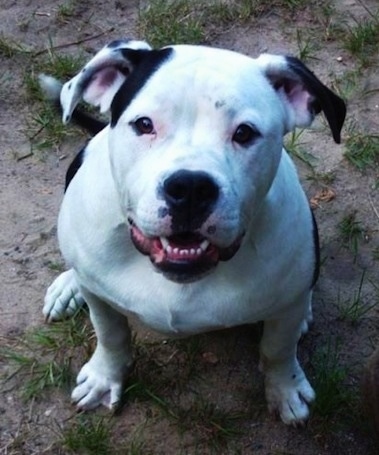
296 149
323 178
307 48
65 12
210 424
44 127
362 148
362 38
10 48
347 84
162 23
332 395
42 358
351 232
89 434
355 308
183 22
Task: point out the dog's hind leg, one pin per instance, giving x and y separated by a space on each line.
63 297
288 391
101 380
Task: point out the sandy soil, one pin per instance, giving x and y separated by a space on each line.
30 193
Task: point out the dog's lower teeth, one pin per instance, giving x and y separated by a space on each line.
198 251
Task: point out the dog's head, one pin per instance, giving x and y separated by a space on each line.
195 141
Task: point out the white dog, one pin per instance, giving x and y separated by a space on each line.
186 209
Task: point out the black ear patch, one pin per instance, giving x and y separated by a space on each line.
332 105
145 63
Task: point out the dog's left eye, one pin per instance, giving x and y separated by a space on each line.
143 125
245 134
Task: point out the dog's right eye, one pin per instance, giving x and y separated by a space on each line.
143 125
245 134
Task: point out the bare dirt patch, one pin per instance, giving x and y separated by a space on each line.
204 394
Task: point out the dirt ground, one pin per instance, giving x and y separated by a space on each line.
31 189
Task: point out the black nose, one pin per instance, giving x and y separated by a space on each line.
190 195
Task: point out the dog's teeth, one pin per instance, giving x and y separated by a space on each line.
164 242
183 252
169 249
204 245
192 251
199 251
175 250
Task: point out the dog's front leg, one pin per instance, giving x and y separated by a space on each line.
288 391
101 380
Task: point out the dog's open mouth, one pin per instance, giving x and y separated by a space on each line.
182 257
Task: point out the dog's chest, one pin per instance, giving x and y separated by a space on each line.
210 304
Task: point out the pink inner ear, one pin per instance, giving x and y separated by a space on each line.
300 100
99 84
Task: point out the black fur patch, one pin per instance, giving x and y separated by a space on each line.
74 167
145 63
316 245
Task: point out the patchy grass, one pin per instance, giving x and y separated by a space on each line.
162 23
297 149
362 39
351 232
210 424
323 178
184 22
307 47
65 12
362 148
45 129
10 48
43 356
355 308
332 395
348 84
89 434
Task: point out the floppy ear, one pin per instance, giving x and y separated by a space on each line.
103 75
303 95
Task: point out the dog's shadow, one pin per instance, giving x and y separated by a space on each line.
220 368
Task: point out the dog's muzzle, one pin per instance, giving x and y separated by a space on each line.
182 257
185 255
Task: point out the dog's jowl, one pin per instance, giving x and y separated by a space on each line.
186 210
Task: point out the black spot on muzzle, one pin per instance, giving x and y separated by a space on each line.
190 197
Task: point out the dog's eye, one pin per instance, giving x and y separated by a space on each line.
143 125
245 134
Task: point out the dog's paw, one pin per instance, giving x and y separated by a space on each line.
290 399
94 388
62 298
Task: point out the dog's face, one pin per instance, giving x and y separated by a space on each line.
195 142
192 158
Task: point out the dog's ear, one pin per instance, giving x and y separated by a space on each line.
302 93
102 76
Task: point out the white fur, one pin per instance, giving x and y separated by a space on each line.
196 101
